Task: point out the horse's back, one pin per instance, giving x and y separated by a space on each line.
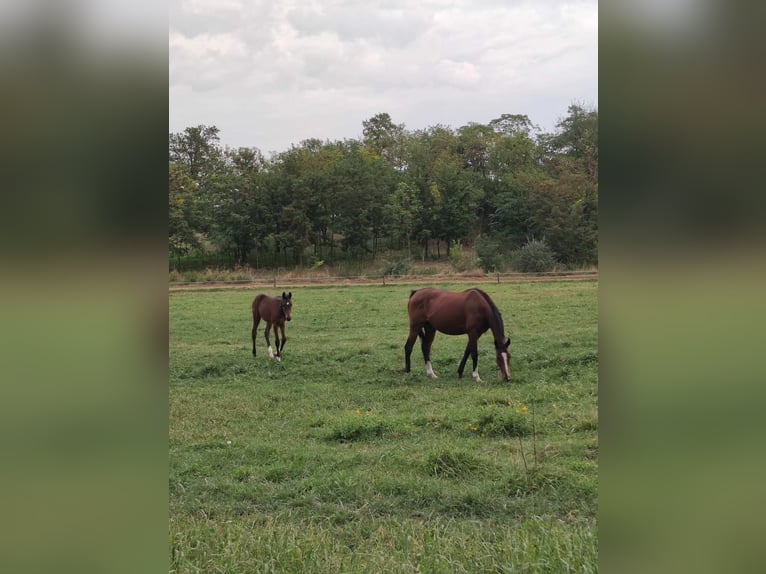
262 307
450 312
441 309
257 302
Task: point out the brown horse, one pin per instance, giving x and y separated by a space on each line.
275 311
470 312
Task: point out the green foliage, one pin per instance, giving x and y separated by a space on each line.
534 257
392 189
398 267
490 255
460 259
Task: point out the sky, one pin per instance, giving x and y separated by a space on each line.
272 73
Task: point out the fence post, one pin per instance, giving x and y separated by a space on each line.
498 278
275 280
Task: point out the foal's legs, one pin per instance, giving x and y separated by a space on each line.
281 327
268 341
429 332
277 328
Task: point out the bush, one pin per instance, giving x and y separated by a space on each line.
490 256
534 257
398 267
459 259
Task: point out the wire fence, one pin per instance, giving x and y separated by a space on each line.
289 280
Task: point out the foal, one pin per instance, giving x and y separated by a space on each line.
275 311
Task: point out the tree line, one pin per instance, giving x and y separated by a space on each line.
502 187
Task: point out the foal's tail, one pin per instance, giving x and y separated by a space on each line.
413 292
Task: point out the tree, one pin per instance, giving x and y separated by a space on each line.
385 138
475 142
513 125
577 138
405 208
198 149
183 211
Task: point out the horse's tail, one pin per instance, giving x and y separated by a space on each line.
413 292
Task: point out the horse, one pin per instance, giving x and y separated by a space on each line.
470 312
275 311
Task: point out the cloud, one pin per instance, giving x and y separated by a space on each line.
458 74
325 63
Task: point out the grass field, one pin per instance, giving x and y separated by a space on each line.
335 460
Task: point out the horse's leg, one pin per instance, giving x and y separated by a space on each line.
473 342
276 342
426 340
268 341
461 368
256 321
414 332
284 339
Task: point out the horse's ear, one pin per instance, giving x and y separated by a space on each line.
508 343
283 295
290 295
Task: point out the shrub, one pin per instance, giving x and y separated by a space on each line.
398 267
534 257
460 259
490 256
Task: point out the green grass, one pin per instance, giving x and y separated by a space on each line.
335 460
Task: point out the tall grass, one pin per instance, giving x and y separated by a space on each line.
335 460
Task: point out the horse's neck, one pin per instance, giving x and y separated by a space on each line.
497 330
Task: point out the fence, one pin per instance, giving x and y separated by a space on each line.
289 280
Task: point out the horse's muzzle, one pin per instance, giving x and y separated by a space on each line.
289 318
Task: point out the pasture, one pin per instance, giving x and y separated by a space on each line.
335 460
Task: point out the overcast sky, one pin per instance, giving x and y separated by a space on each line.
271 73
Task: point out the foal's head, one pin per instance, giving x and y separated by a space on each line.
286 305
503 351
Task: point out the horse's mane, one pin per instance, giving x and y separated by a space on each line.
495 310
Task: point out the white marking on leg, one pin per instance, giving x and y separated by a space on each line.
476 376
505 361
271 352
279 359
430 370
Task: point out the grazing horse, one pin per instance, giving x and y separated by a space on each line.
470 312
275 311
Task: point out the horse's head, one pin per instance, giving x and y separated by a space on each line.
504 358
286 305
